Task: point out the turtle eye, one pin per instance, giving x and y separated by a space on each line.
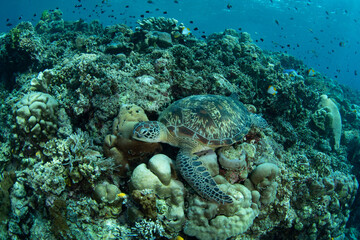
143 132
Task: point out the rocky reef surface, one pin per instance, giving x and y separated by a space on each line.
71 93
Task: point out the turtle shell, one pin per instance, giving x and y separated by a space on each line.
210 120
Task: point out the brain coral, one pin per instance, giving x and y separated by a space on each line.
35 116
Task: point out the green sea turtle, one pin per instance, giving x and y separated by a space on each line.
196 124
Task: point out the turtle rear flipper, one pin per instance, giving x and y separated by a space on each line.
199 178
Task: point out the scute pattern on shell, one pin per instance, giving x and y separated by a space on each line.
210 119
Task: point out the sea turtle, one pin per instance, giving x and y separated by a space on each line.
196 124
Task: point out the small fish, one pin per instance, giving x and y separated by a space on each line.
121 195
185 31
229 6
288 71
311 72
271 90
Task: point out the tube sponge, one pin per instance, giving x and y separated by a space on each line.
335 118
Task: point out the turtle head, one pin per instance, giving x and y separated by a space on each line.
149 131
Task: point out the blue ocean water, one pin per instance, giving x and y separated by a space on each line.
322 33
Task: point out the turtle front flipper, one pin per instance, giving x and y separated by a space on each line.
199 178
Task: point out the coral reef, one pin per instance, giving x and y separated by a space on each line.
50 21
70 169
